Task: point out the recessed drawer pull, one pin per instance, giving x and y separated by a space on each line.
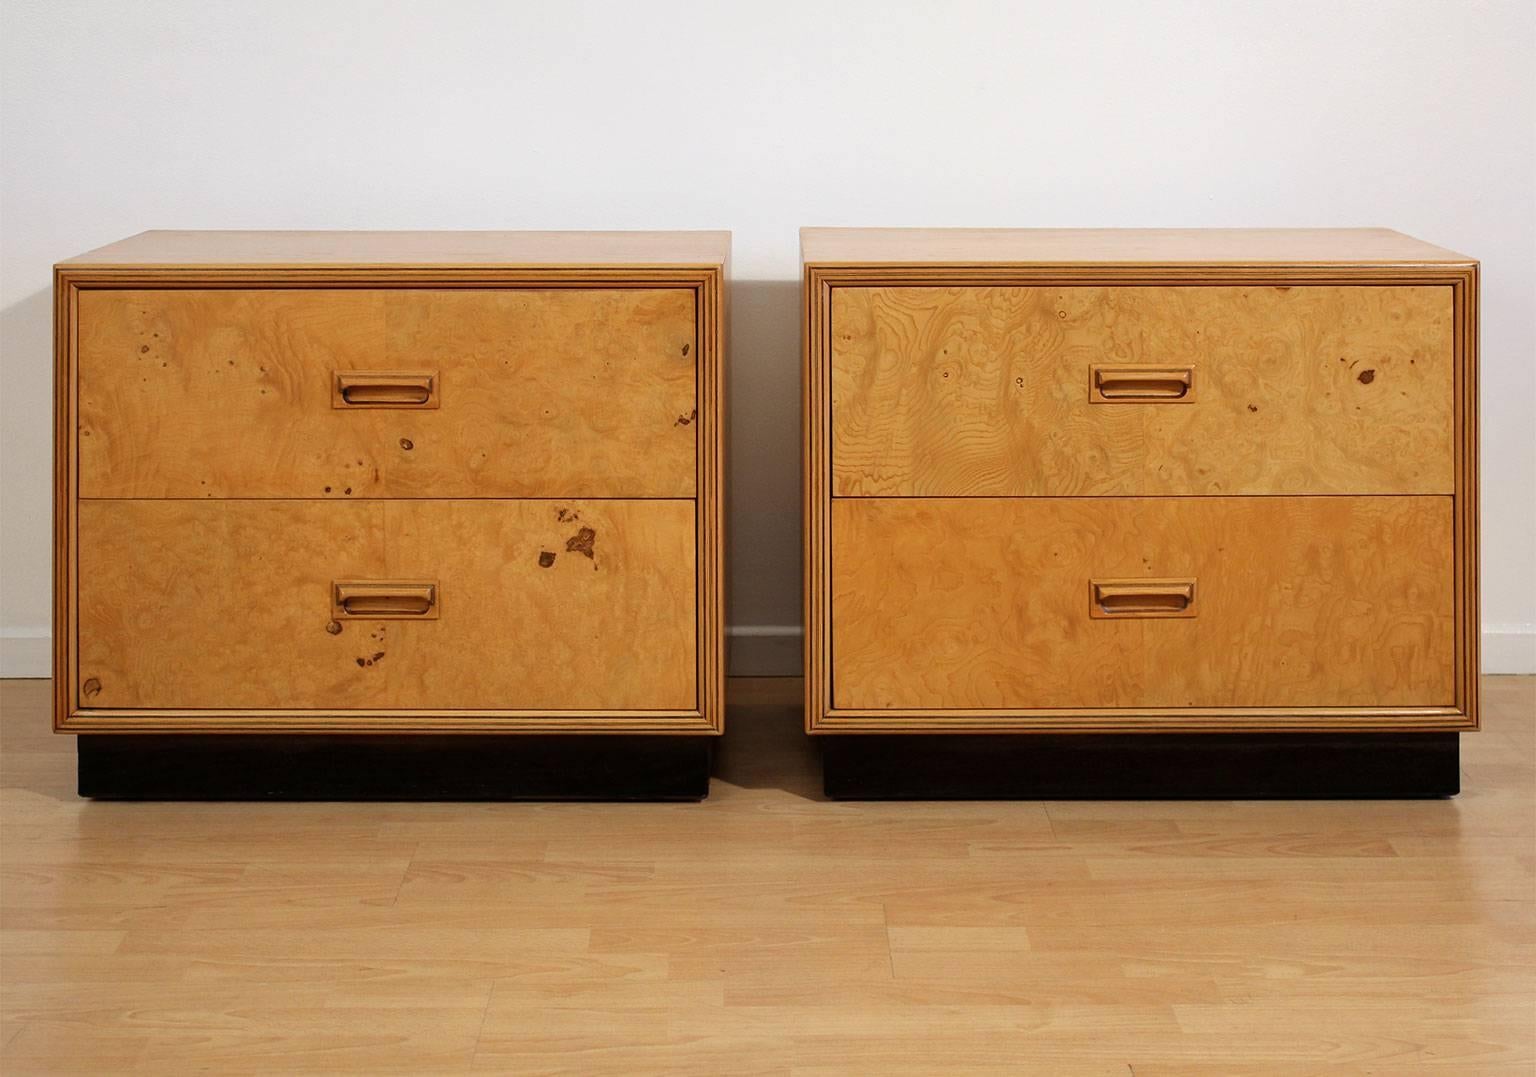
384 600
1142 598
385 389
1119 383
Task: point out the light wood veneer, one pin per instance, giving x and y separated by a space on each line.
984 604
987 391
535 393
1087 248
349 482
581 606
1277 429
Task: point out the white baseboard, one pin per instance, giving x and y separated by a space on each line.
1509 648
764 650
770 650
26 652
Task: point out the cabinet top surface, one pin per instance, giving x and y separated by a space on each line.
1138 246
183 248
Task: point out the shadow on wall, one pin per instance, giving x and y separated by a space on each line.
26 477
762 495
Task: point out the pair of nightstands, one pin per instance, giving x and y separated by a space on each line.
335 512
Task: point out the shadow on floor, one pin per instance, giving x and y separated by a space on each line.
765 745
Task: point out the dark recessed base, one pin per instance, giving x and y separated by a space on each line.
1237 766
320 767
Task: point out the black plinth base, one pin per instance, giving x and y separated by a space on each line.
1238 766
318 767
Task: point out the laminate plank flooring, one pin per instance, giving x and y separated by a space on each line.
767 930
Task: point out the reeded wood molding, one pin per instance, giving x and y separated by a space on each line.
710 502
343 276
707 279
1129 720
1468 550
426 722
1447 268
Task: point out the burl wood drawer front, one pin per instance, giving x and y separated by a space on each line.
403 392
1242 602
553 605
1042 391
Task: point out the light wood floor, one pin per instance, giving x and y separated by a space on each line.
768 931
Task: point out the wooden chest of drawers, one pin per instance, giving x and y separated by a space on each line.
1132 482
390 482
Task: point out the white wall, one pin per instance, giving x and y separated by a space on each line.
121 116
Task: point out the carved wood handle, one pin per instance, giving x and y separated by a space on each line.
385 389
414 600
1121 383
1142 598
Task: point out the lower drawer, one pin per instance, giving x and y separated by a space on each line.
981 603
387 605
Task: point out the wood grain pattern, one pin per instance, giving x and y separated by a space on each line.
768 931
1301 602
178 248
985 391
838 259
439 265
1118 246
543 393
542 605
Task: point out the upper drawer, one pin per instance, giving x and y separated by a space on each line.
487 393
1014 391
